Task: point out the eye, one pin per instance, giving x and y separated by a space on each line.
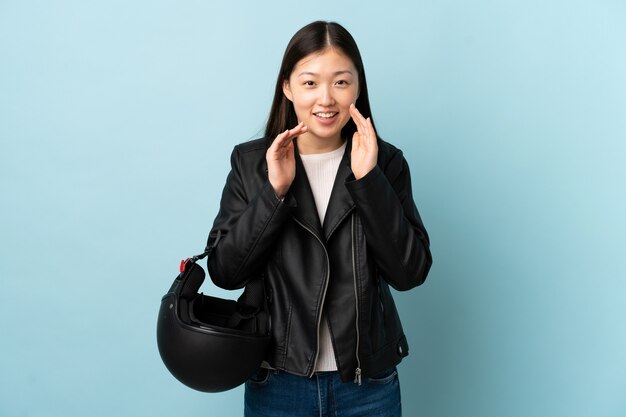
343 83
309 83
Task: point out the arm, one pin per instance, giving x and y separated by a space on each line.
392 225
248 225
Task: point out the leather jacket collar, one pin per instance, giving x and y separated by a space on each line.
339 205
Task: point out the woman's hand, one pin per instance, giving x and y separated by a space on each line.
281 162
364 145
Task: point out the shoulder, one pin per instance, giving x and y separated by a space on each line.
248 158
249 151
388 154
392 162
252 146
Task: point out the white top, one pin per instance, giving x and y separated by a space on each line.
321 169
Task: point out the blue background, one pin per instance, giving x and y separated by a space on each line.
116 123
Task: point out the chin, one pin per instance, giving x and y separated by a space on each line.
326 131
326 134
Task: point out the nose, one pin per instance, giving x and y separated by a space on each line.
326 98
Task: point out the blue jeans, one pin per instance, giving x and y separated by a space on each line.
281 394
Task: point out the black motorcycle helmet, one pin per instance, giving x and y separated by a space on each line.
207 343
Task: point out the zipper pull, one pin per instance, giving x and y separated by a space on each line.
357 376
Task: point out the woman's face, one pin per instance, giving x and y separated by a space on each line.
321 87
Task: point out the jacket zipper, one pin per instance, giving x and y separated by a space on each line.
357 371
326 278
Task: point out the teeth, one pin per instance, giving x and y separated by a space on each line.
325 115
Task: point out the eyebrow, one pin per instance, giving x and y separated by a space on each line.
316 74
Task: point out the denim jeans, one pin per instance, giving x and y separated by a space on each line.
280 394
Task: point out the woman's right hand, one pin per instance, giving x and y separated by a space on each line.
281 161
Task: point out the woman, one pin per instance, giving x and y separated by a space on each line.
323 209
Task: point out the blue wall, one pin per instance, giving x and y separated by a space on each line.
116 122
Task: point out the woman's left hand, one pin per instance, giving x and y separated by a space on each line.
364 145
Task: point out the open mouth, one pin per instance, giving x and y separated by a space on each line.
326 115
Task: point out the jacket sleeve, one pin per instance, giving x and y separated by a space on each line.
392 225
247 225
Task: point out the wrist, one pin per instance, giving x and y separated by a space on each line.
280 193
360 174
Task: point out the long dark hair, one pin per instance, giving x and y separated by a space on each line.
314 37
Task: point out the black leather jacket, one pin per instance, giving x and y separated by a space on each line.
372 237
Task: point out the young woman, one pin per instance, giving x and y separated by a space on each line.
323 209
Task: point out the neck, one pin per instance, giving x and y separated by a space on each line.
309 144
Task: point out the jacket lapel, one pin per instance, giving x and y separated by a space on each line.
305 210
340 203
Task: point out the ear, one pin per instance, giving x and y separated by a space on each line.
287 90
